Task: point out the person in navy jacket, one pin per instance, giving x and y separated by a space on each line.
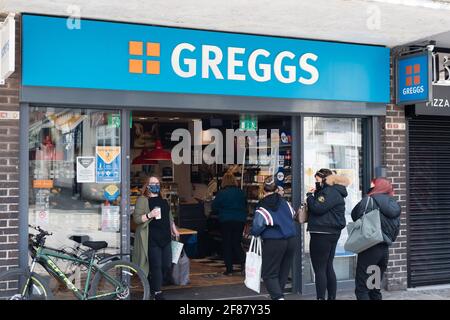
274 223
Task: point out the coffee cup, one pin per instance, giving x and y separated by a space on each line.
158 209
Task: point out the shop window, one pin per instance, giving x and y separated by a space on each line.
334 143
75 175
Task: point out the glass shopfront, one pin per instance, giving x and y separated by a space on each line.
74 167
334 143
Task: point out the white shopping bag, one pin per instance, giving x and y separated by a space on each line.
177 247
253 263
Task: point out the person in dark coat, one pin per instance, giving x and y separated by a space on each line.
274 223
326 208
382 198
230 204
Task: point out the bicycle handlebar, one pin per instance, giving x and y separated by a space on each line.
42 231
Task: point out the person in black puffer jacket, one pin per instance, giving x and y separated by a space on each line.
326 207
382 198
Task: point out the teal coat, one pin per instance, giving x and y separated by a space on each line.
230 204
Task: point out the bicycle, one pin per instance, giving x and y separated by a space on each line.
113 278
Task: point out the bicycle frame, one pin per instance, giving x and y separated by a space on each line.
43 256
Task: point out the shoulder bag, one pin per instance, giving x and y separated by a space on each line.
365 232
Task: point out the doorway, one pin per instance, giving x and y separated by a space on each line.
190 188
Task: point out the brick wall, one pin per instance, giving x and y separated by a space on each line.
395 162
394 159
9 165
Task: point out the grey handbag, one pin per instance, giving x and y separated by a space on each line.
180 271
364 232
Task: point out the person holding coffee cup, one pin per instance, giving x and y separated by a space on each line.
152 247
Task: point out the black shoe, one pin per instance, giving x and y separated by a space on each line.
160 296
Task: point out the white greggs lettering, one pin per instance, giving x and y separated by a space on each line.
284 65
413 90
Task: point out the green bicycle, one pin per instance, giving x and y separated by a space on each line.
106 278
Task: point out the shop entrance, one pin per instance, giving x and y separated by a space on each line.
70 196
190 187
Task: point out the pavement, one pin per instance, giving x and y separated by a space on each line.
240 292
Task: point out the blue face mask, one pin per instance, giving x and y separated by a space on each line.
154 188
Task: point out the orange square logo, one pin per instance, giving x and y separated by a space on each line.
153 49
136 48
416 80
408 69
152 67
408 81
136 66
417 68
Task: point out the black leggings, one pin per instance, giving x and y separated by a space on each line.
160 262
322 248
375 256
277 257
231 240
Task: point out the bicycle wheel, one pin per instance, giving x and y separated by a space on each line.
13 286
133 280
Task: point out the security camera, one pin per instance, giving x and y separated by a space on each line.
430 47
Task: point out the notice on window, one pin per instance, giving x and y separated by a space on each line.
42 208
85 169
42 184
108 164
110 218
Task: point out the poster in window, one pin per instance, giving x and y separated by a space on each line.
110 218
108 164
85 169
42 208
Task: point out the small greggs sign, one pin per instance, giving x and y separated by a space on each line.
120 56
414 78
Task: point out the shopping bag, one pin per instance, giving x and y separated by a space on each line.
180 271
177 247
253 263
365 232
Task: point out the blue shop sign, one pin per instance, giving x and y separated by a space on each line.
414 78
122 56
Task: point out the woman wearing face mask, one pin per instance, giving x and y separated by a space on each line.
382 196
152 246
326 208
